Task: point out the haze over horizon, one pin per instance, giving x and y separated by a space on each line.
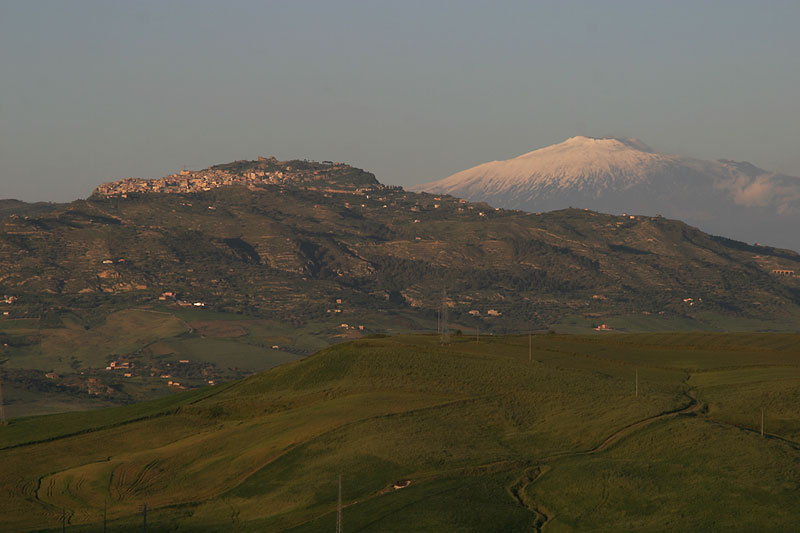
92 92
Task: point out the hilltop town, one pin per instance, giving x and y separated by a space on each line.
326 175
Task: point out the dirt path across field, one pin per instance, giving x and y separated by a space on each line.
517 490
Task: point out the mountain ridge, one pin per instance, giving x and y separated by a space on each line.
245 276
390 246
734 199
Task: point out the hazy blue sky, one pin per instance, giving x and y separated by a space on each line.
413 91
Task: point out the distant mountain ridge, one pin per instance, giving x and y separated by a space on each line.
290 249
733 199
17 207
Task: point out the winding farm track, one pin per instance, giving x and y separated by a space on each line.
694 405
517 490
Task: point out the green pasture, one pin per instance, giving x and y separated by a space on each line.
506 434
121 333
699 321
76 345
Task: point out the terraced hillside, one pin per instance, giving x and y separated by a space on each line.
616 432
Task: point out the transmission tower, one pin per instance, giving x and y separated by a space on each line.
339 508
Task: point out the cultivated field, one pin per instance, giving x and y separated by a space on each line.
483 436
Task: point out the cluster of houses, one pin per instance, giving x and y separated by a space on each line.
186 181
127 368
172 296
120 365
8 300
490 312
348 326
191 181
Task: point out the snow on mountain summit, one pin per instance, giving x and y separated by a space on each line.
625 175
579 162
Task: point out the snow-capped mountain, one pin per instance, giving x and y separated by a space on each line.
728 198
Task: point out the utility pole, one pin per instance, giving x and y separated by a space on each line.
445 332
3 421
530 345
339 508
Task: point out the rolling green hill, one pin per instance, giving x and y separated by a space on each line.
470 436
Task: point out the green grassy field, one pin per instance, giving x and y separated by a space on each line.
133 330
489 436
702 321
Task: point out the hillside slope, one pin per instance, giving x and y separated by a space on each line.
729 198
472 436
291 252
181 288
16 207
